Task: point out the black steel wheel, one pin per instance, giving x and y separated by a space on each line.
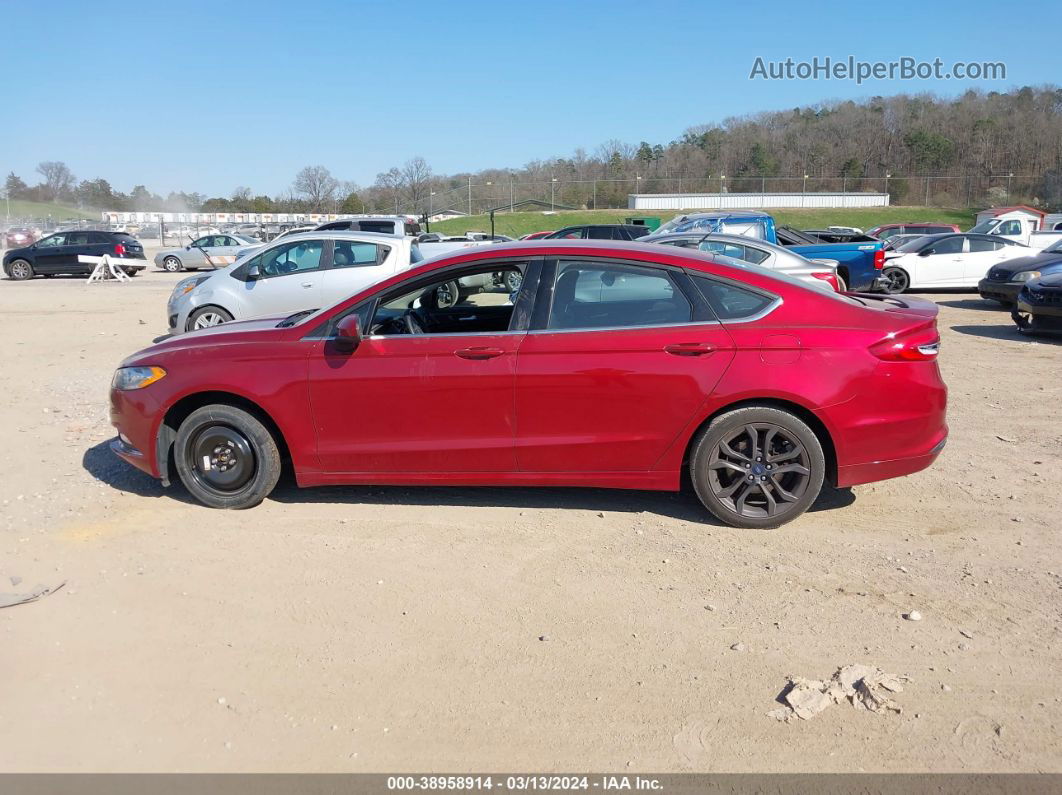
757 467
895 280
226 457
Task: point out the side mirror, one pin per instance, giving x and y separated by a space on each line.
253 273
925 252
348 334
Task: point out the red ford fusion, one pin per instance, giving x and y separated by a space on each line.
552 363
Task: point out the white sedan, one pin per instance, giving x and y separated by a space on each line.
948 260
306 271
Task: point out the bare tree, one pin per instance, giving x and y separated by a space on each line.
58 179
416 176
317 185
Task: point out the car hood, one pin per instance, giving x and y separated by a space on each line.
234 332
11 253
1033 262
1052 282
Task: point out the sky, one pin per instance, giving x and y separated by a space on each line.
208 96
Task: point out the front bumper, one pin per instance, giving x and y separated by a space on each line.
1007 292
1044 317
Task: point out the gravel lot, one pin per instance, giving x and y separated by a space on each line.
379 629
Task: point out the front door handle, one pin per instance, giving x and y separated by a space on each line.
479 353
307 285
689 349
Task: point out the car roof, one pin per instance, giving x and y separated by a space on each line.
343 234
720 237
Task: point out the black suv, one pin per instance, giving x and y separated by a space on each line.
58 253
600 232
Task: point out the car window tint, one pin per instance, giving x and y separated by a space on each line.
350 254
304 255
598 295
600 233
949 245
77 239
53 240
977 244
383 227
1009 228
730 302
570 234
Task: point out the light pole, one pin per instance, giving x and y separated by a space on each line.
637 183
470 194
887 175
722 183
1010 176
510 191
431 203
552 192
804 190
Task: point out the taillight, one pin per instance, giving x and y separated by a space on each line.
830 278
119 250
879 259
918 345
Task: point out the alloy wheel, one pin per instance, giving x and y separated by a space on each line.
20 270
208 319
896 280
171 264
759 470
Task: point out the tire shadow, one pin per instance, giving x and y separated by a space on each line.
683 505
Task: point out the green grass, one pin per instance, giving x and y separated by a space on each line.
517 224
39 211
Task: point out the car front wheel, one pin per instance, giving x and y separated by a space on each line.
894 280
208 316
20 270
757 467
226 457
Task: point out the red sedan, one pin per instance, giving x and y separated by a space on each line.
617 365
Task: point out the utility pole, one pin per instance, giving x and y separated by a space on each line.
510 191
470 194
552 192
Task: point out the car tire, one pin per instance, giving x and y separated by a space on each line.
172 265
131 271
206 317
894 281
19 270
513 281
447 295
736 460
226 457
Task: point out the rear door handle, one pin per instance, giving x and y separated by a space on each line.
689 349
479 353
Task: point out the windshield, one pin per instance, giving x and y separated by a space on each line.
1054 248
916 244
986 226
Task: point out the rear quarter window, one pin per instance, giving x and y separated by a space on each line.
730 302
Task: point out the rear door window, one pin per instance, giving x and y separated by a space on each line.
352 254
590 295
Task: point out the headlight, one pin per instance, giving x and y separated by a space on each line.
1025 276
185 286
126 378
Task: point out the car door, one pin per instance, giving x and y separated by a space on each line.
428 389
981 256
356 265
939 263
48 253
288 280
223 250
618 360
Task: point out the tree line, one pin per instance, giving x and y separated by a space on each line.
962 148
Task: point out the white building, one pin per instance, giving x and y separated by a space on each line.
1018 211
752 201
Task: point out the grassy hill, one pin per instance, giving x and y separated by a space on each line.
39 211
517 224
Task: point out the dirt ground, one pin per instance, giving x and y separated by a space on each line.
385 629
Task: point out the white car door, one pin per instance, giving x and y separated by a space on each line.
982 256
939 264
355 266
288 281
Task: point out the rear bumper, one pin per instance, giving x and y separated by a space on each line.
855 474
998 291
